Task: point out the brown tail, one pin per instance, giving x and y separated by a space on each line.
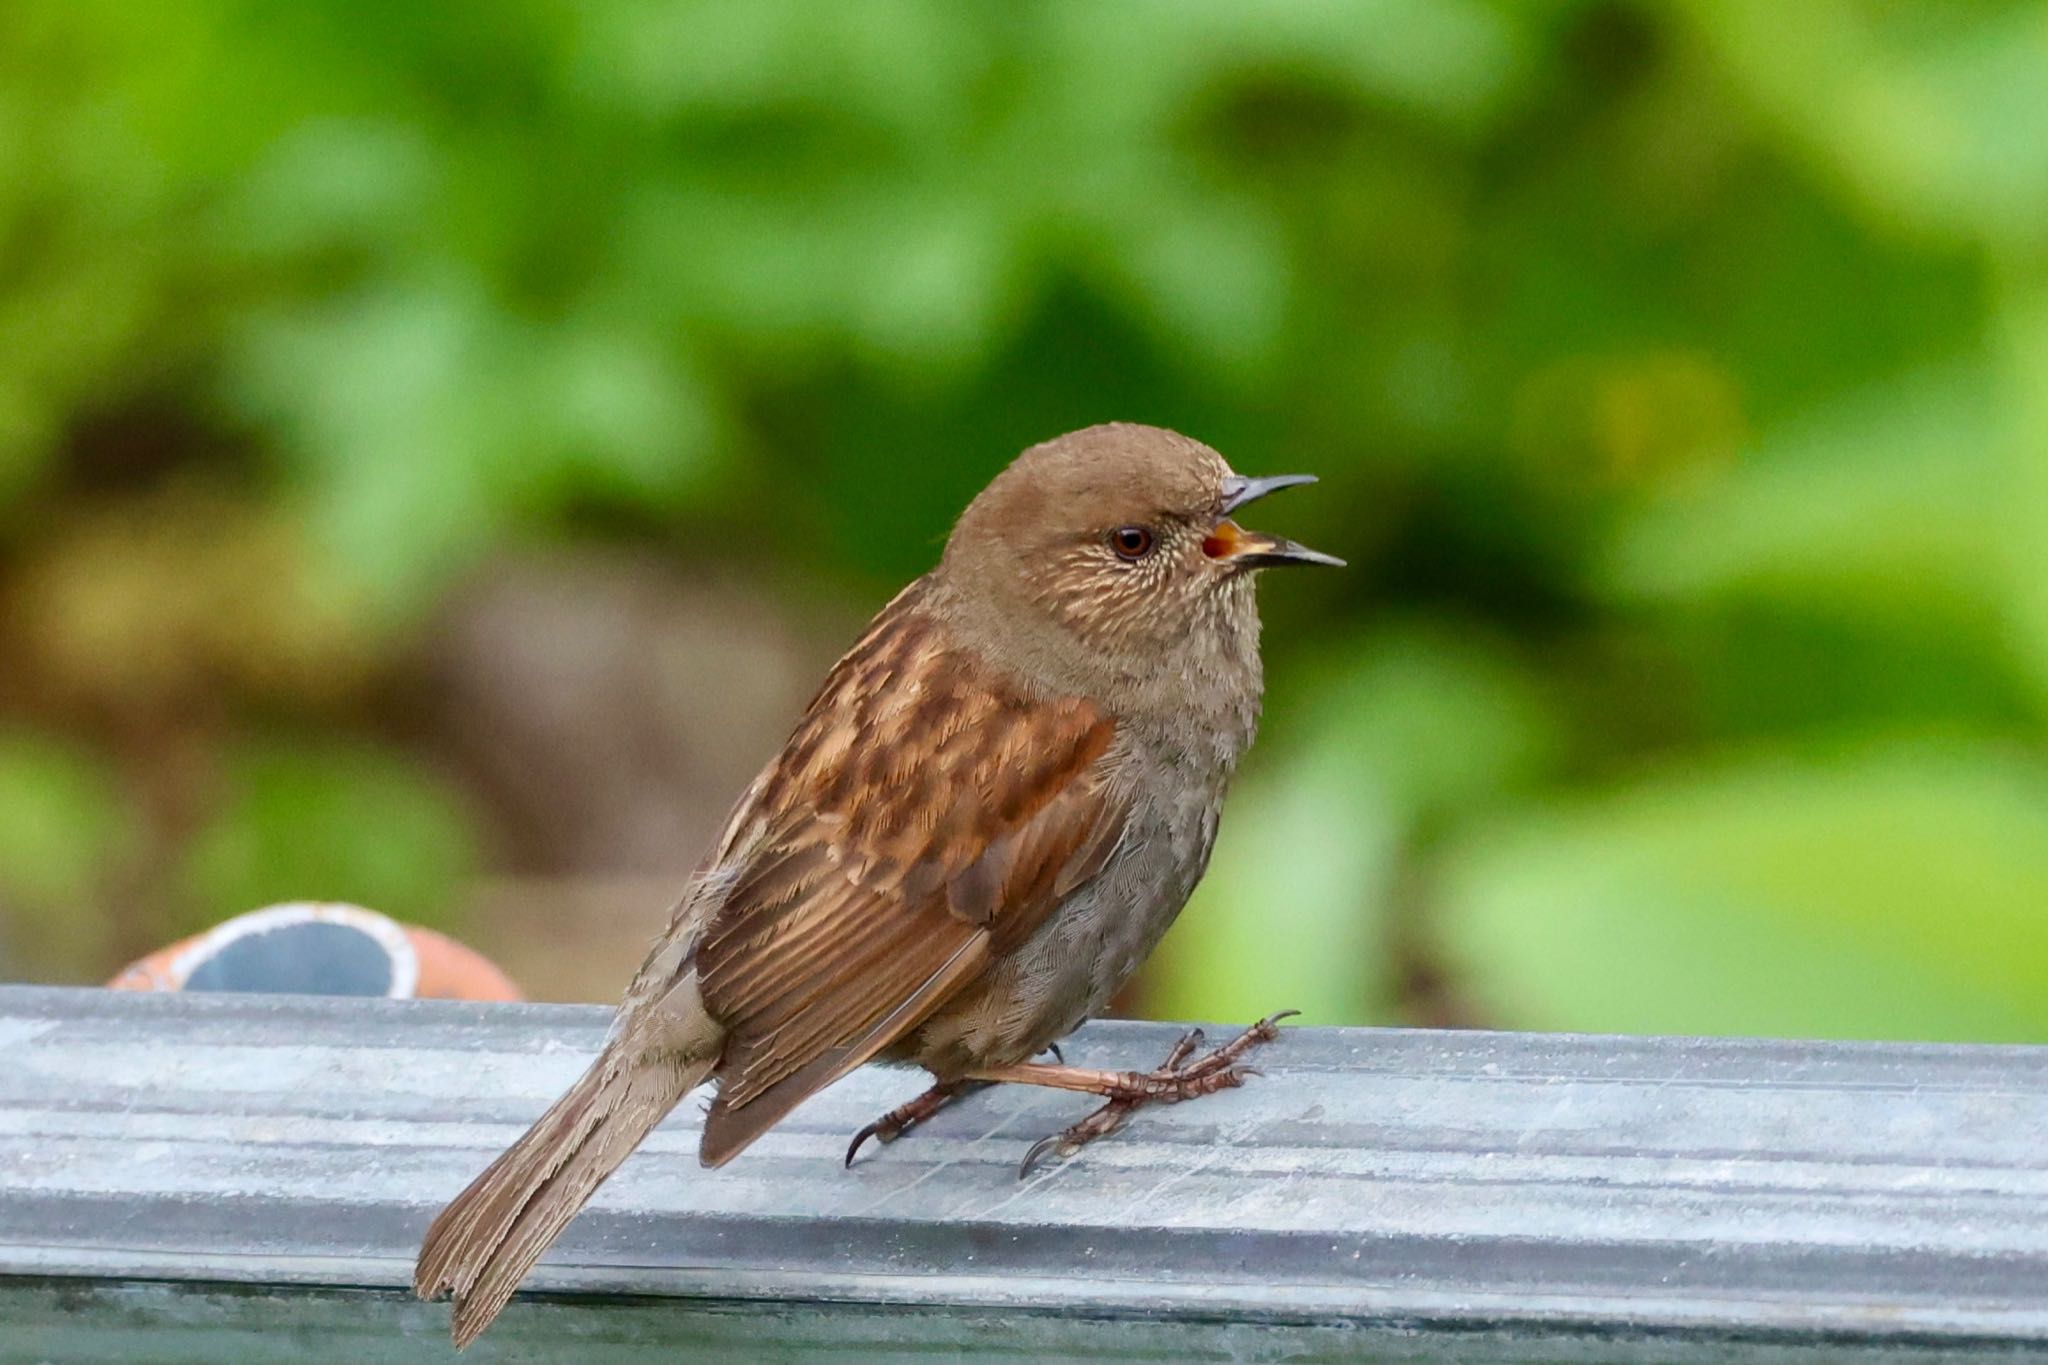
483 1243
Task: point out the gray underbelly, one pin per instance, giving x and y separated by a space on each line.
1090 945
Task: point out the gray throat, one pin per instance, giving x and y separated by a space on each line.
1199 698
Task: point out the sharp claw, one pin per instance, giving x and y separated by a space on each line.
1283 1014
853 1148
1057 1055
1037 1153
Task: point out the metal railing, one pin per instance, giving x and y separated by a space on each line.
219 1178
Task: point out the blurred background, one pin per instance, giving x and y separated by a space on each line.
441 446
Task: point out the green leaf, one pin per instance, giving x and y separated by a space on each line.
480 423
1935 114
64 831
1883 496
1894 894
1213 277
330 822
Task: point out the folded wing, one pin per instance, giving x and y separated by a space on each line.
924 819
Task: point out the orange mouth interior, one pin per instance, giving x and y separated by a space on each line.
1224 541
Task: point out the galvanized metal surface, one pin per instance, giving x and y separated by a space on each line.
213 1178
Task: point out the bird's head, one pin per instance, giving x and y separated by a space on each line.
1124 538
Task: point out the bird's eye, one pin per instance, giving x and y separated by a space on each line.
1131 542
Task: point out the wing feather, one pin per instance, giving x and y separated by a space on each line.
896 862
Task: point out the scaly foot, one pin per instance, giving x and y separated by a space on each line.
1174 1080
905 1117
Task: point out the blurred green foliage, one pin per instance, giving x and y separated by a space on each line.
1678 374
294 817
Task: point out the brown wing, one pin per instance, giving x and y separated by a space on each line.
924 818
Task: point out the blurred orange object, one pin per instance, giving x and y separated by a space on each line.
314 948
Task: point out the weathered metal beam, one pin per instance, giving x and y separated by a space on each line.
219 1178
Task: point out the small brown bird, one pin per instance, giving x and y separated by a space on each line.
996 804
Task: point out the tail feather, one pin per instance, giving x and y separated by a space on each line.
483 1244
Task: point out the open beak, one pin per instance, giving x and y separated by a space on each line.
1239 491
1231 544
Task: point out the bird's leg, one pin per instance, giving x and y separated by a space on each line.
904 1117
1173 1080
907 1116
